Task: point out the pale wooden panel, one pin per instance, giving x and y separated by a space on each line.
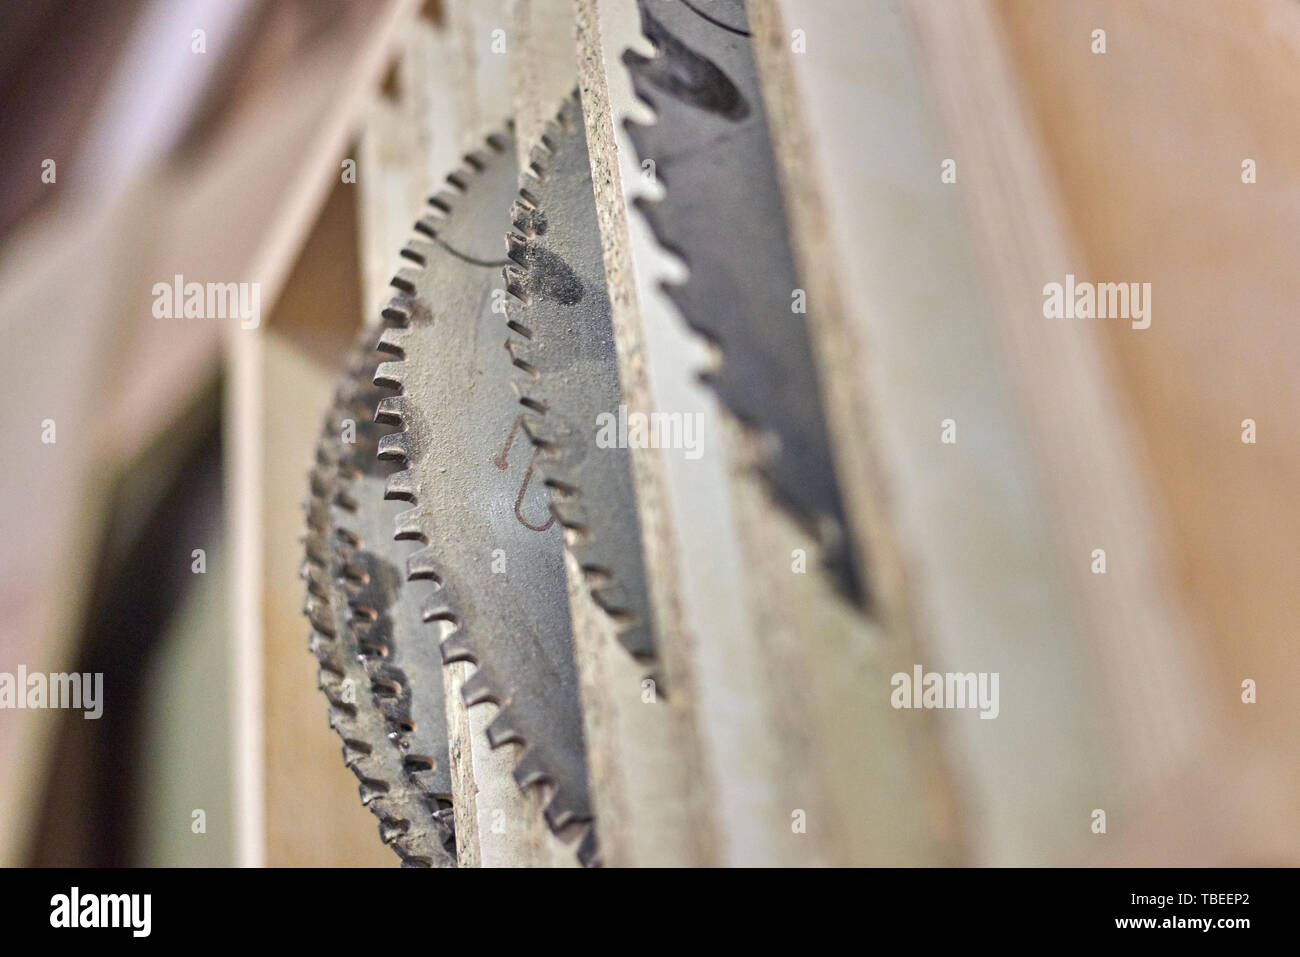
1146 144
314 815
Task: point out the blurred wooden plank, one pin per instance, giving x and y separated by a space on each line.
312 811
1145 146
1133 684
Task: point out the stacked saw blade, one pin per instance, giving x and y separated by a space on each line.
467 504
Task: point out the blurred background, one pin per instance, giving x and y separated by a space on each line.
207 138
209 154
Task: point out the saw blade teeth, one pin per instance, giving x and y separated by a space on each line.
325 650
638 639
427 225
442 203
437 608
393 342
546 363
517 248
572 515
417 251
390 832
757 356
541 429
527 218
319 616
389 375
391 410
503 730
422 565
516 282
354 752
396 312
395 446
478 689
405 279
456 647
407 526
314 574
538 159
331 683
401 486
432 480
516 348
531 771
344 603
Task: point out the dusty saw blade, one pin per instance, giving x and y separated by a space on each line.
491 544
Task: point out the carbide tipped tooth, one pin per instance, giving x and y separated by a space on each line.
406 525
423 565
393 342
502 729
426 778
516 248
317 582
397 311
391 410
437 608
370 792
319 616
390 706
390 831
442 202
541 429
612 598
517 354
401 486
396 446
638 639
427 225
405 279
477 689
538 158
570 512
325 649
516 282
390 375
530 770
527 218
417 251
456 647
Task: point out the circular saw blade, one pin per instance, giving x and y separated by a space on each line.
562 344
490 544
410 821
722 213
